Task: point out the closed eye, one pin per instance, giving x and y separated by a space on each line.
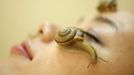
93 37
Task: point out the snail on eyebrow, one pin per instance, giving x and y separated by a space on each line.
106 6
73 35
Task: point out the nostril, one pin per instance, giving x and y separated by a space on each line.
47 32
40 31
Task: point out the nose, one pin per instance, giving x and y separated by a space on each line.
47 31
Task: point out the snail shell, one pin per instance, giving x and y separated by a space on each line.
107 6
69 35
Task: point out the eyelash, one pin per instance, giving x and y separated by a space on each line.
94 38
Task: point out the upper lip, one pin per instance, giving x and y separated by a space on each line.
26 46
24 49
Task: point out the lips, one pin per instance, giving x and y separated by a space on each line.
22 49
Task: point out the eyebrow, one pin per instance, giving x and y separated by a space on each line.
107 20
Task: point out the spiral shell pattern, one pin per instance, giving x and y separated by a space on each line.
69 35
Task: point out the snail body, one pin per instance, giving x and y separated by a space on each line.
72 35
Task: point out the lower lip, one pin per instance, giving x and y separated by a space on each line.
19 49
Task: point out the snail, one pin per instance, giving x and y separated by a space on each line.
107 6
69 35
73 35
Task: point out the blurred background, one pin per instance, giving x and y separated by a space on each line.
19 18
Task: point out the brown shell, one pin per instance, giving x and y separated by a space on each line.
69 35
107 6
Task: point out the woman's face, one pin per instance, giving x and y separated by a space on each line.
43 56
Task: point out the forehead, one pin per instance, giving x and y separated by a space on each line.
123 20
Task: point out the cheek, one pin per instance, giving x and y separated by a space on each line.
60 62
118 64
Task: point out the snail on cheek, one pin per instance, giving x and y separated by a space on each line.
72 35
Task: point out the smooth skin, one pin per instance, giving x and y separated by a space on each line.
115 44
